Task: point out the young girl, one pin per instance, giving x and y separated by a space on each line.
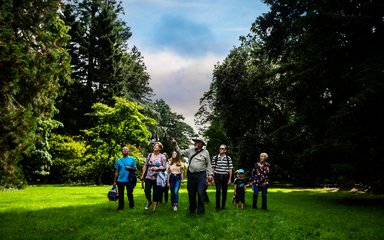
240 189
175 177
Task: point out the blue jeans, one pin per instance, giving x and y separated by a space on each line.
263 190
174 182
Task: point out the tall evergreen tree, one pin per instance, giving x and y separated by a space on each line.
103 66
34 65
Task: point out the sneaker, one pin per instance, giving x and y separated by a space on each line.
148 205
175 208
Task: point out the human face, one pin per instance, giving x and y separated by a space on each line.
263 157
174 154
198 145
156 148
223 149
125 151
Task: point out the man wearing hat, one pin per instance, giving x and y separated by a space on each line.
199 169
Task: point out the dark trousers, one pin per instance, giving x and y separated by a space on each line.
149 184
221 183
196 185
120 189
163 192
263 197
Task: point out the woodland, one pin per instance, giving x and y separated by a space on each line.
304 85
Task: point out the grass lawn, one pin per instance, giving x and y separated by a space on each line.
84 212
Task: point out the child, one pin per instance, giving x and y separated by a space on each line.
240 189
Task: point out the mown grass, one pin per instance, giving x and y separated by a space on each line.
84 212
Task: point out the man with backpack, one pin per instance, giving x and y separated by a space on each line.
222 167
124 167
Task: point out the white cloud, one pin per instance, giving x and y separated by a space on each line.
180 81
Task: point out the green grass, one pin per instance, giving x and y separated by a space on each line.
84 212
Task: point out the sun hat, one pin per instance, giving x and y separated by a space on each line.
198 139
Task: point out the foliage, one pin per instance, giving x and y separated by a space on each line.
103 66
69 159
37 165
116 126
306 85
34 65
170 125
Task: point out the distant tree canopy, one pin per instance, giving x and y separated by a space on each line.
306 85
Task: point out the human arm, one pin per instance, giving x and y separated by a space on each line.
230 176
115 177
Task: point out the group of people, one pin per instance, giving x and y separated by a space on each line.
159 172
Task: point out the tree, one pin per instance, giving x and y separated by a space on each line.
103 65
124 123
306 85
34 65
170 125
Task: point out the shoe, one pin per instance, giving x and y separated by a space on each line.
148 205
175 208
154 206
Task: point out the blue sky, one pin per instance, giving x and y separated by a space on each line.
182 40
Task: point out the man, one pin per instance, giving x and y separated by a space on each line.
122 169
199 169
222 167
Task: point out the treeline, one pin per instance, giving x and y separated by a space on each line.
73 92
306 86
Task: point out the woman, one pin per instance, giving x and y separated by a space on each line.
175 176
155 163
260 177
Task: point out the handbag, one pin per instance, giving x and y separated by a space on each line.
132 179
113 195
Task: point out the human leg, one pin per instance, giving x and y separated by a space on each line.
120 189
225 190
255 196
147 191
192 190
130 195
264 198
201 187
218 190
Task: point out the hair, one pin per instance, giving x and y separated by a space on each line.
225 146
176 160
160 145
264 154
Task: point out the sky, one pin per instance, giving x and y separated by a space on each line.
182 40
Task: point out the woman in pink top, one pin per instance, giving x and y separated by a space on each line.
175 176
155 163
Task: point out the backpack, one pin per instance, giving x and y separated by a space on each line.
113 195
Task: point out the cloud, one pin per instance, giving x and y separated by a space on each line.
179 80
183 35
